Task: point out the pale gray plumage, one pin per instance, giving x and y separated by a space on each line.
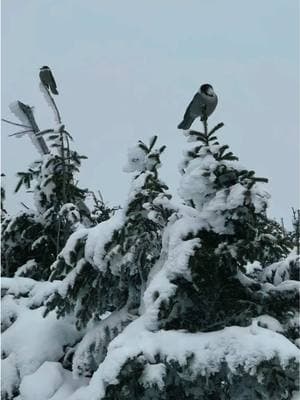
47 79
205 100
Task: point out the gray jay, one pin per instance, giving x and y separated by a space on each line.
205 100
47 79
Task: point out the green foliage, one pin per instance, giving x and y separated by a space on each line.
18 235
39 235
217 296
182 382
129 255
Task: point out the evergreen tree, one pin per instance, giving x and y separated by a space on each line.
200 284
105 268
32 239
234 231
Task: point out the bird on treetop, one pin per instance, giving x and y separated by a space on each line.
47 79
203 105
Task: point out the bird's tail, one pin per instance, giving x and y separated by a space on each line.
186 123
54 90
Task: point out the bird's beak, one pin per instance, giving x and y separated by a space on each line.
210 91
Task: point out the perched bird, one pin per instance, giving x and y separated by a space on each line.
205 100
47 79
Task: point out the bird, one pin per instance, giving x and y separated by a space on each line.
47 79
204 103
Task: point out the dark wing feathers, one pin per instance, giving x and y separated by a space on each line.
52 84
188 117
48 80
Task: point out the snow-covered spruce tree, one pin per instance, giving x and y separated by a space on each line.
105 268
39 352
33 238
31 241
207 330
100 211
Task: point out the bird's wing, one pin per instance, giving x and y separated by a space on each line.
192 109
52 82
191 113
43 78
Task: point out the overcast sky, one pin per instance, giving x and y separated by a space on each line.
126 70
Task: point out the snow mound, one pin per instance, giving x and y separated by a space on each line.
28 339
50 382
35 339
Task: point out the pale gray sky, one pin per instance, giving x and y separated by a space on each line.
126 70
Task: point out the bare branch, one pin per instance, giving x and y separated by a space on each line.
21 133
24 205
14 123
41 133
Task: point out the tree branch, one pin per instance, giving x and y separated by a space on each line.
14 123
21 133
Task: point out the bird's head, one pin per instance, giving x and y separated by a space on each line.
207 89
44 67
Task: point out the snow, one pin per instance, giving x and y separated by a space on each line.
198 183
99 236
253 267
268 322
22 286
286 286
154 374
15 109
37 242
173 261
137 159
244 279
296 395
140 161
71 212
280 271
9 311
34 339
238 347
43 383
50 382
69 280
42 291
29 339
9 375
97 338
29 264
17 286
69 247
